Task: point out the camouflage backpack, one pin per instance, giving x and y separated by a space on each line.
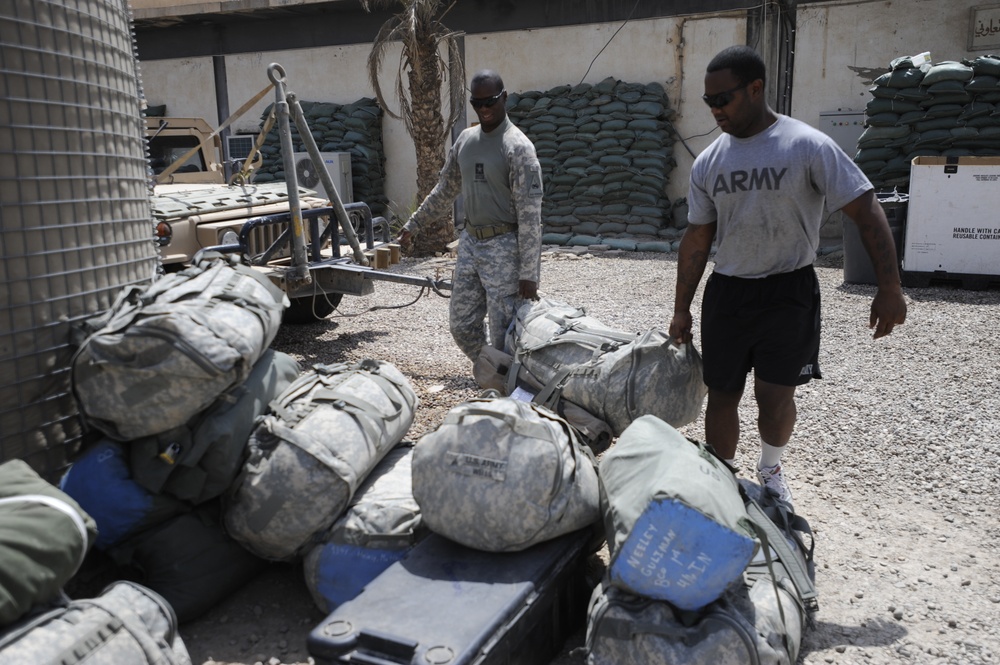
613 375
676 525
500 475
307 458
759 619
165 352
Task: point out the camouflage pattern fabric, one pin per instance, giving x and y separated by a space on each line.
327 432
744 626
199 462
164 353
484 285
614 375
126 623
380 525
487 272
501 475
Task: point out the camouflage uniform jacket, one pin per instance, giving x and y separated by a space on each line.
516 199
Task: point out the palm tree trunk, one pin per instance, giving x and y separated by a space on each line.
428 139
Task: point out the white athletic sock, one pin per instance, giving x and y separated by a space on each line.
730 462
769 455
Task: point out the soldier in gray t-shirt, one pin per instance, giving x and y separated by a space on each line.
495 168
761 191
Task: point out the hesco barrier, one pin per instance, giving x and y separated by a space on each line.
355 128
606 152
74 201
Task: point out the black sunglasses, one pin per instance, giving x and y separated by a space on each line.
721 99
481 103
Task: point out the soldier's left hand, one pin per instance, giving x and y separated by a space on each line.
527 290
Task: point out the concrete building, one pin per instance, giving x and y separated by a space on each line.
207 58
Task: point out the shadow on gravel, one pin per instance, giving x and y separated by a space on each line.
301 341
874 633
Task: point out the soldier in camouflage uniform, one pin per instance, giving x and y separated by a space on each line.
495 168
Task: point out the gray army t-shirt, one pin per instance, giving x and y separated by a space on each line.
770 194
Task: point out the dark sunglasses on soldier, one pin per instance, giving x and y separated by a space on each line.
721 99
483 102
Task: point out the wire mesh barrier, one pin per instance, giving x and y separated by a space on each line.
75 222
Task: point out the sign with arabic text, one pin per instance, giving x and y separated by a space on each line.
984 28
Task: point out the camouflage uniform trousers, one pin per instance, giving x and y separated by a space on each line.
485 283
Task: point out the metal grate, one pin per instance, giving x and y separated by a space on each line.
74 200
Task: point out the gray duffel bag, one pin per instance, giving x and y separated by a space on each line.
163 354
614 375
126 624
307 458
501 475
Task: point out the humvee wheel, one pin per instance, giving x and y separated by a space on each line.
310 309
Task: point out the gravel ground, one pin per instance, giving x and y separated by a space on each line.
893 460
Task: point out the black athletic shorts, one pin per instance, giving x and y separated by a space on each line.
770 324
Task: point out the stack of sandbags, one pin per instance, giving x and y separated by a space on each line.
174 376
355 128
606 152
923 109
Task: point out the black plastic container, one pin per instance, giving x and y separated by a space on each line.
445 604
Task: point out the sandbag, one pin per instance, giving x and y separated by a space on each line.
614 375
200 460
760 619
101 481
44 537
501 475
126 623
190 561
306 459
165 352
676 524
379 527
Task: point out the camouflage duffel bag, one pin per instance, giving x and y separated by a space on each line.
379 527
126 623
614 375
308 457
501 475
164 353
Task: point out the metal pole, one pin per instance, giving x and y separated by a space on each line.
324 176
299 273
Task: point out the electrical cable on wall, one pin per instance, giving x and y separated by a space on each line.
627 19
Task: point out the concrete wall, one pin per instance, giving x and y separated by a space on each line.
840 48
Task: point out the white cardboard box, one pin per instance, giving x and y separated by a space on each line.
953 216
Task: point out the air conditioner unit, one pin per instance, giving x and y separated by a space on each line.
338 165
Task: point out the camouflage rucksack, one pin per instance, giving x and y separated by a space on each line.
500 475
759 619
307 458
165 352
614 375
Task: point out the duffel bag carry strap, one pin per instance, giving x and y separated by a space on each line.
792 562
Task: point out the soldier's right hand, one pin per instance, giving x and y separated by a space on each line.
680 328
